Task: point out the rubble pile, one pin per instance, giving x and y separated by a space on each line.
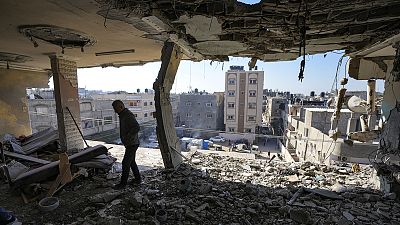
35 167
224 190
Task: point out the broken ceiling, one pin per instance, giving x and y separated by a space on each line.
204 29
217 29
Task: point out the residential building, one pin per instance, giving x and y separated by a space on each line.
174 100
308 138
200 110
220 98
274 107
140 104
360 94
243 99
97 114
276 114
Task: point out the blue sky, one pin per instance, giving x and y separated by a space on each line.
319 75
249 1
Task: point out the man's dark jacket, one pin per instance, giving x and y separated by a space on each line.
129 128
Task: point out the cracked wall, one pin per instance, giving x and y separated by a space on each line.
391 107
13 99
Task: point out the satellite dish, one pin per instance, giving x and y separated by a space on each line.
357 105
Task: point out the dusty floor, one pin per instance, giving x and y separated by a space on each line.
218 190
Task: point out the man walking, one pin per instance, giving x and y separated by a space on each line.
129 129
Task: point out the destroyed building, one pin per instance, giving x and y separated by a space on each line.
42 39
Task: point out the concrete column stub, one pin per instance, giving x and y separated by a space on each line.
395 73
14 115
168 141
66 96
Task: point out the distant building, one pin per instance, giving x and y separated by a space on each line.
307 138
271 93
220 109
174 100
97 114
275 107
276 114
360 94
243 100
200 110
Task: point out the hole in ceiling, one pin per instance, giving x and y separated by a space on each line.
14 58
63 37
250 2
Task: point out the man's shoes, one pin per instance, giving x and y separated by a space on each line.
136 182
119 186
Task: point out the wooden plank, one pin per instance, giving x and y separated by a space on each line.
26 157
52 169
167 139
63 177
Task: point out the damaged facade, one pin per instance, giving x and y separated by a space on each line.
77 34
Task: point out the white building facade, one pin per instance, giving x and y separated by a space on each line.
243 100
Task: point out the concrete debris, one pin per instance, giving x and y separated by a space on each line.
161 215
105 197
348 216
338 188
293 178
300 215
196 161
225 196
325 193
390 196
15 169
136 201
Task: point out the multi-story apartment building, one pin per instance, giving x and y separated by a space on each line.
200 110
140 104
97 114
243 101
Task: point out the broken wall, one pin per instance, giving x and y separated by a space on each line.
391 107
320 148
14 116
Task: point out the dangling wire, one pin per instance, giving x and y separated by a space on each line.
302 41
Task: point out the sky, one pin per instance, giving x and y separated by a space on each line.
319 75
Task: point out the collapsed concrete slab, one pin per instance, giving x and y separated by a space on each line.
52 169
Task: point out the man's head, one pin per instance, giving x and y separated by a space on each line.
118 106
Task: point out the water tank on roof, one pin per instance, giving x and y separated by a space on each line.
138 90
146 90
322 95
312 94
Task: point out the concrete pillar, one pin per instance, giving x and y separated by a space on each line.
371 95
167 139
391 126
391 105
14 116
371 98
364 123
66 95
